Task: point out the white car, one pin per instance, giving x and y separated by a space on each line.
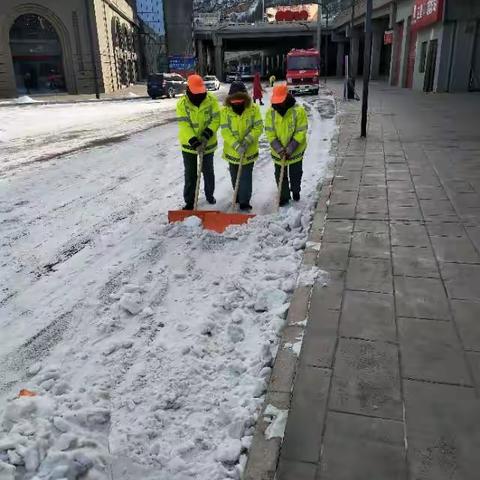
212 82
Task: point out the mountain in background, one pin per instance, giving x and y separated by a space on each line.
232 10
251 10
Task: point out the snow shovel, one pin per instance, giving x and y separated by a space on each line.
211 219
222 220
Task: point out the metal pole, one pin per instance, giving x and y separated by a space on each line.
366 69
326 49
92 49
350 56
319 27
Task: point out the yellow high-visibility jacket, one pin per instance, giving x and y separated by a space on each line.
237 129
192 121
292 126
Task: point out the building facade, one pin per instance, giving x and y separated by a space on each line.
76 47
434 45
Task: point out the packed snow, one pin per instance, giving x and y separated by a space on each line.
33 133
147 346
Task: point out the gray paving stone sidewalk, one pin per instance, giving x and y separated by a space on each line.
388 381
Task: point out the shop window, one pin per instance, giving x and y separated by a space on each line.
423 57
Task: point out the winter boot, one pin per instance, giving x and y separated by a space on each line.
188 206
284 202
245 207
296 197
211 200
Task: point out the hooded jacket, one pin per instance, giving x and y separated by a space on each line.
240 129
193 120
292 125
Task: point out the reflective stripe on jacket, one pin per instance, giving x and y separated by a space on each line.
192 121
292 126
236 129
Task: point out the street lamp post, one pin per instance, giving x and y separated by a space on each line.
350 56
367 64
319 27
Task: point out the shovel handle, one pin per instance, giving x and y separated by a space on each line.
280 182
199 175
237 183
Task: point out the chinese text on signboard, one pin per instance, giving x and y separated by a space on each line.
426 12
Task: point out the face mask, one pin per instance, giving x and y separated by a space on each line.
196 99
238 108
282 108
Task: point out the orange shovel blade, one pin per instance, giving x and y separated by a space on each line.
220 221
181 215
211 219
26 393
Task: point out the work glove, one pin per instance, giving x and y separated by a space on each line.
278 147
207 134
291 147
195 143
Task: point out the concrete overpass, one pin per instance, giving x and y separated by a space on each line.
212 42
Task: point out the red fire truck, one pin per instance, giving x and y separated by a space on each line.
303 71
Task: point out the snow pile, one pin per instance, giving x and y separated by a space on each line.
25 99
297 346
309 275
277 419
170 391
38 442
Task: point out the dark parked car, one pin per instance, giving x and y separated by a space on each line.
165 85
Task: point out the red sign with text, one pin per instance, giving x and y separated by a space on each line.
426 12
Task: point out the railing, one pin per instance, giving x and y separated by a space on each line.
224 24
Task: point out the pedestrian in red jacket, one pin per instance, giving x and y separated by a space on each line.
257 89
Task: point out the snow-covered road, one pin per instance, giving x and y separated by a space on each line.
141 338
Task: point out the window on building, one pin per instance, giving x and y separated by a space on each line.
423 57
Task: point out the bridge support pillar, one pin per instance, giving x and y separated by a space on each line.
354 54
202 58
340 59
377 42
218 58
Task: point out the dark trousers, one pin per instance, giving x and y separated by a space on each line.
245 187
292 179
190 164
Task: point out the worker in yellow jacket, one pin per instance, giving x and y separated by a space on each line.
198 115
242 125
286 127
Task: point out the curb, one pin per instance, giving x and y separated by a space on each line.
264 454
